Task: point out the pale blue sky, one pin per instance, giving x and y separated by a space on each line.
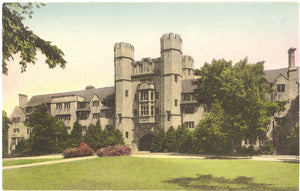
86 32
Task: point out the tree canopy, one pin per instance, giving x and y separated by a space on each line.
16 38
237 96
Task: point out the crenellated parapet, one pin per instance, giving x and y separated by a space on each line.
187 62
170 41
124 50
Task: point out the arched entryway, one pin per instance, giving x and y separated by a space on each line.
145 142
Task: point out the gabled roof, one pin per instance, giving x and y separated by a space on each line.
271 75
87 94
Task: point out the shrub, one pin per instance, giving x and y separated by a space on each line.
267 148
82 150
117 150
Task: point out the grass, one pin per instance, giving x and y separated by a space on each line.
130 173
24 161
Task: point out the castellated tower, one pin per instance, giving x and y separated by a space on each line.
123 58
187 67
171 58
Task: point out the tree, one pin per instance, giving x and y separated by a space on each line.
61 137
112 136
185 140
158 143
94 137
239 91
171 140
76 135
44 134
5 126
209 134
18 39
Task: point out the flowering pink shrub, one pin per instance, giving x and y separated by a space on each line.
117 150
82 150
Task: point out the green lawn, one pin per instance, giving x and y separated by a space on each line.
130 173
24 161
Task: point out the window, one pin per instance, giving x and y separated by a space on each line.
126 93
63 117
96 115
186 97
95 103
206 109
189 109
81 105
189 124
152 111
120 117
280 87
16 130
175 102
156 111
67 105
16 119
126 134
144 108
58 105
151 95
144 95
169 115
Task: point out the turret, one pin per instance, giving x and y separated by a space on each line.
171 69
187 67
123 58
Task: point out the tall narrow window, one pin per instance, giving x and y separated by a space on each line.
175 102
152 112
126 93
126 134
169 115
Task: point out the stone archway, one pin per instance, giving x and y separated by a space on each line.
145 142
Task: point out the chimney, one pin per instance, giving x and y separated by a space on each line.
89 87
292 58
23 99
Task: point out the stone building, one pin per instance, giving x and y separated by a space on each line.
148 95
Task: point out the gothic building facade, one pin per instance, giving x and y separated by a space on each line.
148 95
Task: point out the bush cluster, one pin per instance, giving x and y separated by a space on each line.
117 150
82 150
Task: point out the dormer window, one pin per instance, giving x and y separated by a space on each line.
16 119
95 103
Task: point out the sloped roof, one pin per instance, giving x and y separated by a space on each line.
187 86
87 94
272 74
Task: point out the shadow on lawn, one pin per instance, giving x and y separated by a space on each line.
208 182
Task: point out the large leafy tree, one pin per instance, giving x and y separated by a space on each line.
5 126
240 92
16 38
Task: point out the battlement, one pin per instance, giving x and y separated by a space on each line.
123 50
187 62
171 41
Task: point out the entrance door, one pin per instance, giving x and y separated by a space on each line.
145 142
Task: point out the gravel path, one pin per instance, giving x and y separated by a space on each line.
282 158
